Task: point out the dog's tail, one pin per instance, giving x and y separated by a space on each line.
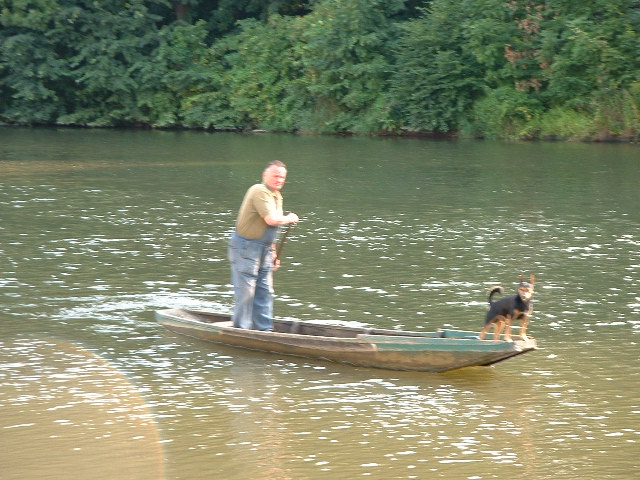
493 291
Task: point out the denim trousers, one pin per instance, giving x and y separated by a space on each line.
252 278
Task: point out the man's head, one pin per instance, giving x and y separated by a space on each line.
275 175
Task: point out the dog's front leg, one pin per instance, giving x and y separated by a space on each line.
498 329
525 322
507 333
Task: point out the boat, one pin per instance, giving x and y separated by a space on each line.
438 351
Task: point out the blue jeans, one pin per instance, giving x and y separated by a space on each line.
252 278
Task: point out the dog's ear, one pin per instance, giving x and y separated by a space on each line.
532 280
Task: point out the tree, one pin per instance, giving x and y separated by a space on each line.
222 15
263 78
33 72
111 45
347 62
436 78
64 62
180 68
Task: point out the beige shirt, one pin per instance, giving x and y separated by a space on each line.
258 202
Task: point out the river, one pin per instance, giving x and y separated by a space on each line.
100 228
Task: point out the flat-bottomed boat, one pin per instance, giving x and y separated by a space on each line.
438 351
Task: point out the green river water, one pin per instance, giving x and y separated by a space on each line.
100 228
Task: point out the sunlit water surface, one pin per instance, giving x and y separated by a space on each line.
100 228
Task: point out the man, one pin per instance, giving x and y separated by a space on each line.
252 249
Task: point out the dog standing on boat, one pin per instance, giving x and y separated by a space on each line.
503 312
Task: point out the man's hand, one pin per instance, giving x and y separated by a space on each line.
292 218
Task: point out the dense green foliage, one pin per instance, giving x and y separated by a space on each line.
563 69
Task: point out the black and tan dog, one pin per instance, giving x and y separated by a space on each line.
503 312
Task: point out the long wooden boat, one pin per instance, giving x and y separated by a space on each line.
438 351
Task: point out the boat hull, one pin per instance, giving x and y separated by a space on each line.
439 351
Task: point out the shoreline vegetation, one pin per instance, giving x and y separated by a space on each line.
555 70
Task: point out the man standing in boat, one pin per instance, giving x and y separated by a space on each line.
252 249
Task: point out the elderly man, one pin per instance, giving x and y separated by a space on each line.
252 249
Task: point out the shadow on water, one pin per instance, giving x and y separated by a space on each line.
67 410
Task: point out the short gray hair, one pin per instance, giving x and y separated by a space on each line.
275 163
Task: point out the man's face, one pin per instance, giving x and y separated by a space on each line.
274 177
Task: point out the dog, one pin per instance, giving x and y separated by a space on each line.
503 312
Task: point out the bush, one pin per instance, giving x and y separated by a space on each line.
506 113
563 123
